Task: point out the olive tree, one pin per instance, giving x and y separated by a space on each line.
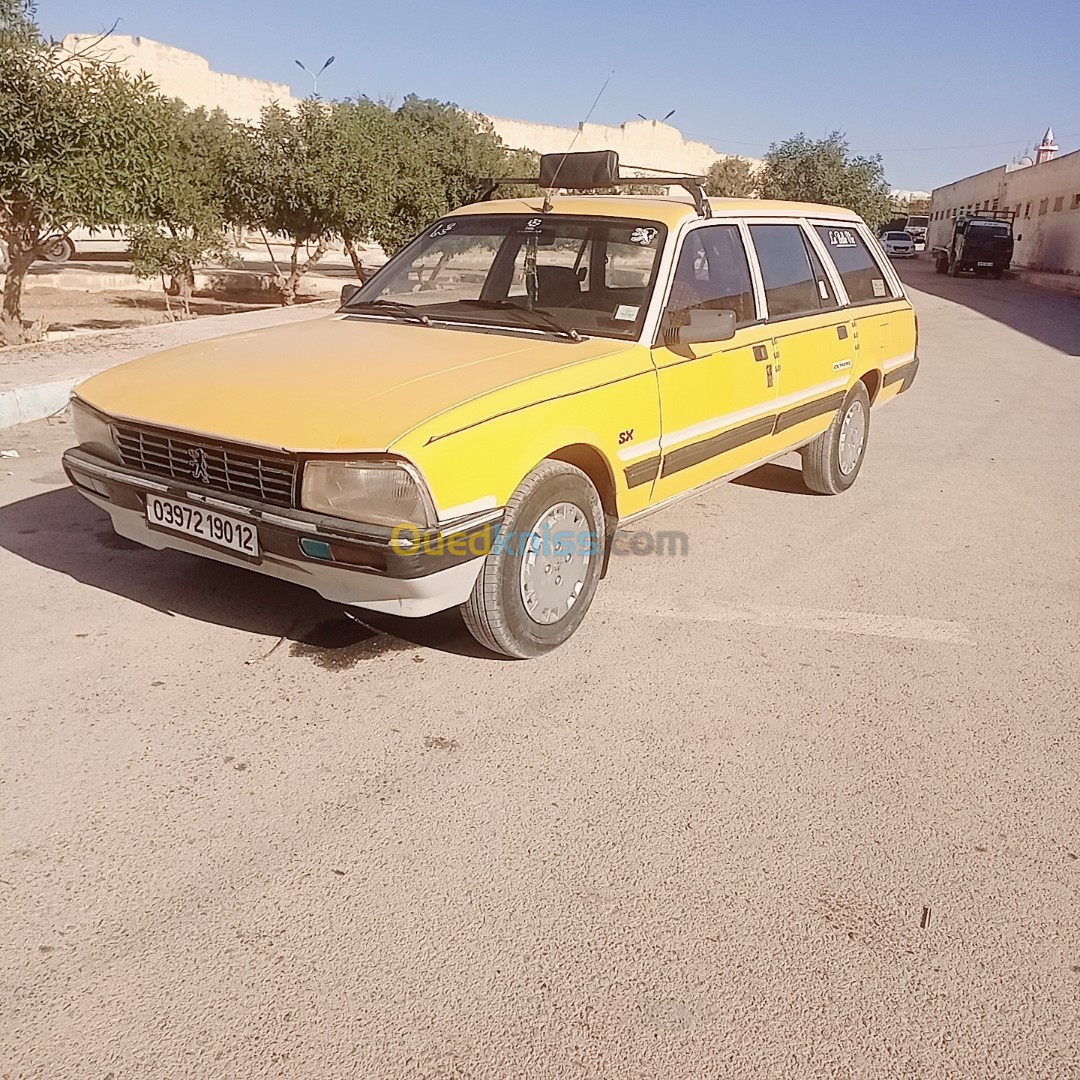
75 147
732 178
825 171
185 219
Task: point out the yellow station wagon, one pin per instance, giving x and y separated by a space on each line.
473 424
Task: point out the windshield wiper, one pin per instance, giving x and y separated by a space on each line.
538 318
391 307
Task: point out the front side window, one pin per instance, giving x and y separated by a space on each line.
518 271
791 287
862 277
712 272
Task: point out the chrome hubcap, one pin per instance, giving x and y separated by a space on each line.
852 437
555 563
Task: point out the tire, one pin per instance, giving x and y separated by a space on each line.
505 613
828 466
57 249
996 274
954 269
941 265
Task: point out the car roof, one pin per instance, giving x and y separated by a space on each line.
670 210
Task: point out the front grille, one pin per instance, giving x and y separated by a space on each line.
253 474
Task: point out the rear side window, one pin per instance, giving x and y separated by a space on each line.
862 277
791 287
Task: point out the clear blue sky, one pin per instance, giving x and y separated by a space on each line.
897 78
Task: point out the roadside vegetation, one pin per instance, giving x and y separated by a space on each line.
85 145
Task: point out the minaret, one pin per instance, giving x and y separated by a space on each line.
1047 148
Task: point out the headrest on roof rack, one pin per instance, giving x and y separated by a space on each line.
591 169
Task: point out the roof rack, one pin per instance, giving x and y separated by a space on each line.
992 215
590 171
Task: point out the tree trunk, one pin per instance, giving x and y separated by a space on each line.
297 270
358 266
19 262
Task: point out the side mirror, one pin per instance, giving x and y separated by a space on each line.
348 294
705 324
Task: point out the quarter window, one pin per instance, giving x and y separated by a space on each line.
862 277
713 273
790 284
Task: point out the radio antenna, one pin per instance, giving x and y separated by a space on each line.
566 153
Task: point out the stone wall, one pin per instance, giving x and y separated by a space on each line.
186 75
648 144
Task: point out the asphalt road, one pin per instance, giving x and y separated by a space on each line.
802 803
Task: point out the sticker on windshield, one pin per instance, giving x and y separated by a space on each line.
879 287
643 236
823 289
533 224
842 238
626 312
441 230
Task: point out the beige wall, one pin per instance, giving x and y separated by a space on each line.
186 75
1046 199
650 144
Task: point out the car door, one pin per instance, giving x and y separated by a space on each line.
881 319
810 333
716 398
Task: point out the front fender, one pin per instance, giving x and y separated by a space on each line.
473 460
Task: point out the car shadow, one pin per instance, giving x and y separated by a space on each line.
1050 317
775 477
63 532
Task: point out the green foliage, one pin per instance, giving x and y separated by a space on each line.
17 26
731 178
75 147
185 219
824 171
441 154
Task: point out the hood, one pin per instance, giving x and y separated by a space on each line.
327 384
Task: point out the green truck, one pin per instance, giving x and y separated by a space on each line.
981 242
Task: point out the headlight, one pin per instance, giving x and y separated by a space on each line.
376 493
92 431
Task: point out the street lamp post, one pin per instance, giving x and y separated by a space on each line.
315 76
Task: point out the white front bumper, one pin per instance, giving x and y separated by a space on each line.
411 597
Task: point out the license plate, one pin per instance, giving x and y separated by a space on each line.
986 264
221 531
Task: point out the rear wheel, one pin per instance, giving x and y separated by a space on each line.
940 265
832 461
536 585
954 268
57 249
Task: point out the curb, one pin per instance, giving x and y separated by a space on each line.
27 403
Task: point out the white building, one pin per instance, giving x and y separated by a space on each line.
1042 193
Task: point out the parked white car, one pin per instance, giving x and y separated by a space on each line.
898 245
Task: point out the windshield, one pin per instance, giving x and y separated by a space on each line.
544 273
898 236
918 222
986 230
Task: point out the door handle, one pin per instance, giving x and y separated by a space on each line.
761 352
841 332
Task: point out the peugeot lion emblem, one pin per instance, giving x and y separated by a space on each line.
199 469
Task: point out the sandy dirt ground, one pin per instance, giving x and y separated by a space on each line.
801 803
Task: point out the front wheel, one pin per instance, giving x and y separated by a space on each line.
832 461
539 579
